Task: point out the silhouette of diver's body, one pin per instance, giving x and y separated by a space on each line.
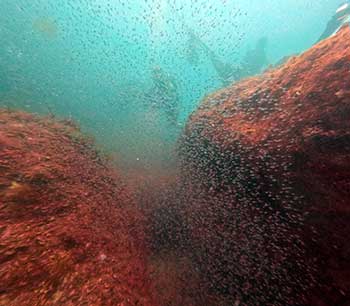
341 17
256 59
164 94
253 63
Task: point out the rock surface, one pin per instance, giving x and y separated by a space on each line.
266 164
70 233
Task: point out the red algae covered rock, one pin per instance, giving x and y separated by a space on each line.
267 168
70 233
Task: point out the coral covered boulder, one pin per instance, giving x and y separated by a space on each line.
70 233
266 163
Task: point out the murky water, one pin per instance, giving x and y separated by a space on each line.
239 194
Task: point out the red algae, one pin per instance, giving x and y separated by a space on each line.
70 231
269 160
257 214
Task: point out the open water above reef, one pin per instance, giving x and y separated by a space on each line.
130 72
229 191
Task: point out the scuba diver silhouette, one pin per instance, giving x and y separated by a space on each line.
253 62
341 17
164 94
225 71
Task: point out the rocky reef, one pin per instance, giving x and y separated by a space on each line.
257 213
70 231
266 174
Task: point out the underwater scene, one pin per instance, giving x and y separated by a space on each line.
175 152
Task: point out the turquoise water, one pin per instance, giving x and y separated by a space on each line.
94 61
225 214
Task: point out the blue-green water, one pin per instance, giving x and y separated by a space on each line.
94 60
229 215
